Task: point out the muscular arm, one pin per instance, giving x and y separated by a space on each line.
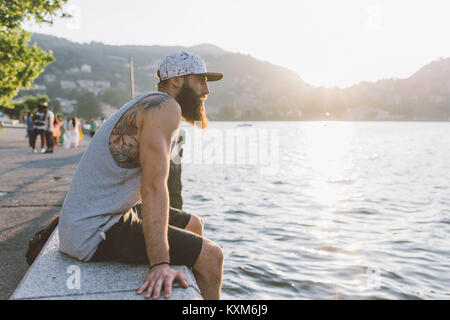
142 137
158 127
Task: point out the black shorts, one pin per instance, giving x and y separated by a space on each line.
125 241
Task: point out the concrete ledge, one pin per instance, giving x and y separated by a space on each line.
55 276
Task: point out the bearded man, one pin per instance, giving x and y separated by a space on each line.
117 207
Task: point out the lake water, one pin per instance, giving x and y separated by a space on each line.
329 210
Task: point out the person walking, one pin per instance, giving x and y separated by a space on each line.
73 133
49 125
30 130
57 130
63 136
39 127
92 127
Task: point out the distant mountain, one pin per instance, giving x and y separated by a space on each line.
423 96
250 90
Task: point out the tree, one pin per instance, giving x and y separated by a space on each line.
20 63
88 106
55 106
227 112
115 97
28 105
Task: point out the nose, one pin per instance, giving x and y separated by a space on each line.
205 89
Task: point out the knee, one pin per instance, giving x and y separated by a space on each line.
195 225
218 253
211 257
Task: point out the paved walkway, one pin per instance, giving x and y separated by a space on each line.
32 189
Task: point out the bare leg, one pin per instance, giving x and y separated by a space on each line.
195 225
209 266
208 270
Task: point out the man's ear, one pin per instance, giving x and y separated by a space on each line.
177 82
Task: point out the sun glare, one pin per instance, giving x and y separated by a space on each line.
328 146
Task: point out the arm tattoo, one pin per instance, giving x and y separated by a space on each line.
124 139
123 142
154 101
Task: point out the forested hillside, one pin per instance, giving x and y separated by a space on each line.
93 79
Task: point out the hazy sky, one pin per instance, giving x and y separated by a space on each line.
327 42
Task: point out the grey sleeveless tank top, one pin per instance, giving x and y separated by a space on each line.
100 192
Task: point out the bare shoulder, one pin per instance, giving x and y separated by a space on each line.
166 115
157 101
161 110
161 106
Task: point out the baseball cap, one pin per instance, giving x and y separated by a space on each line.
185 63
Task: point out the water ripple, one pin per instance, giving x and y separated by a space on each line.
356 211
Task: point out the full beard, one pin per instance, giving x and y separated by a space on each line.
192 106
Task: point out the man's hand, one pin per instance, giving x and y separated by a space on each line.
159 277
